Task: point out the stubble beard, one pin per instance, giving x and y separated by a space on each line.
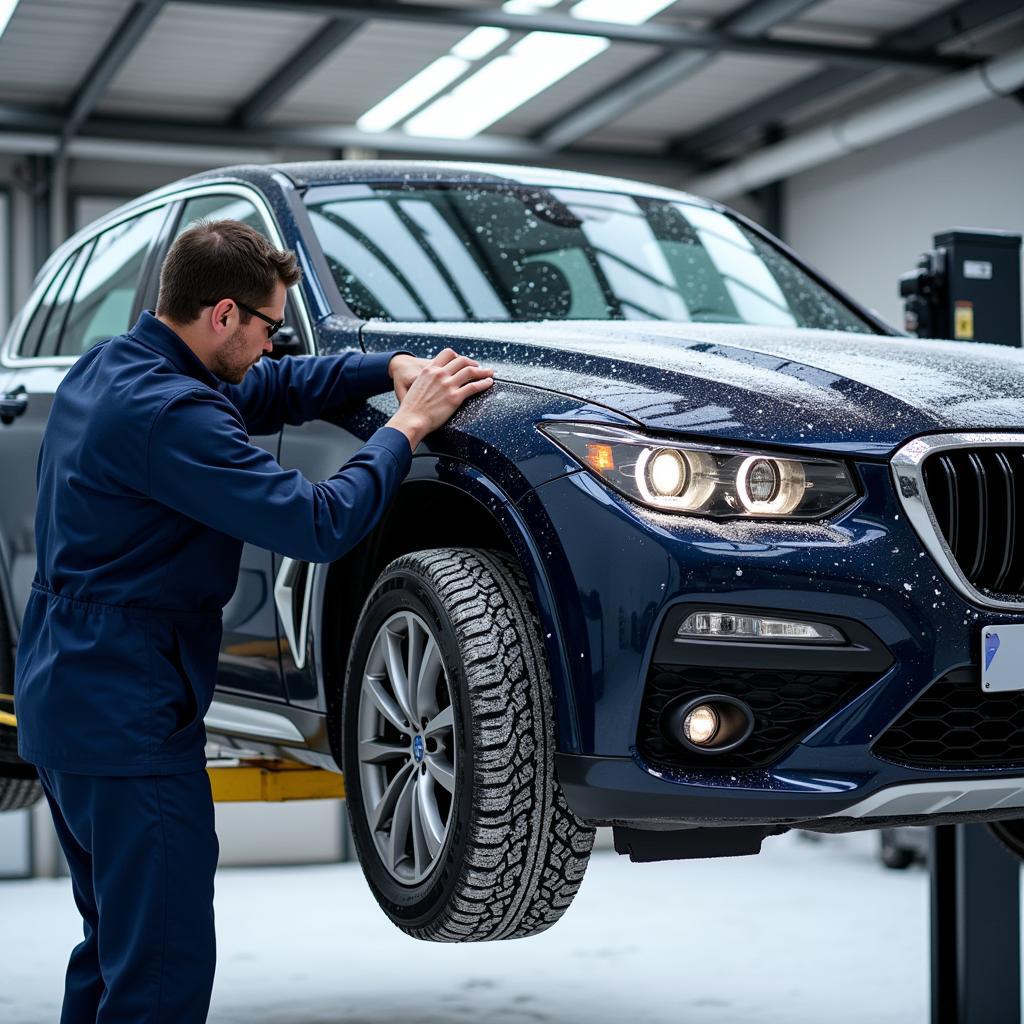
230 362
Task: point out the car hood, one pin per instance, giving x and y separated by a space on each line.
823 389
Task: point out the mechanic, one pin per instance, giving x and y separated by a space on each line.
148 486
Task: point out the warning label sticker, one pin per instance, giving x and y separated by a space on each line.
963 321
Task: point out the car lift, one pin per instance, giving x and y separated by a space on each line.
967 288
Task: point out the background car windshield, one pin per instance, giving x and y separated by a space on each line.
526 254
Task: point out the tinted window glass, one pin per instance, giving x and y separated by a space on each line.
477 253
61 304
72 266
105 295
221 208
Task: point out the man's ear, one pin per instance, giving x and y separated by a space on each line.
221 314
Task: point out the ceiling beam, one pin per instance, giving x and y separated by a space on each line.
28 130
664 72
323 43
924 35
657 33
126 37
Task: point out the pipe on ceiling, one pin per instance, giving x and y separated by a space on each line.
999 77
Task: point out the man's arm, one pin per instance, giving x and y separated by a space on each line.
297 389
201 463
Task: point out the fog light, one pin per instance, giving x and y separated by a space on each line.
713 723
701 725
710 625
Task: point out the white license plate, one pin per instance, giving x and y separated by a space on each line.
1002 658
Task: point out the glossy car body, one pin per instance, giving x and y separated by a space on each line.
611 579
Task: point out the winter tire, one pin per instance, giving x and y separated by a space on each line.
458 819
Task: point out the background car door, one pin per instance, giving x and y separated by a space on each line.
250 661
89 297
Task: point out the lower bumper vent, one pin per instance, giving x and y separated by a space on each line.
955 724
786 707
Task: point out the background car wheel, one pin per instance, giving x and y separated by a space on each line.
457 816
1011 834
893 854
19 784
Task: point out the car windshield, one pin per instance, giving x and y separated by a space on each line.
482 253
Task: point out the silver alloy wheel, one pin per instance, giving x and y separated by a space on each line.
407 758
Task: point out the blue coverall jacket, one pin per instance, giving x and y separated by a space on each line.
147 487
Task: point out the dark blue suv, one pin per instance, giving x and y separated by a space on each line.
716 556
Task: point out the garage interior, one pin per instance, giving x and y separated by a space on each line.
854 130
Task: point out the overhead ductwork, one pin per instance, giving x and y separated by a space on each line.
999 77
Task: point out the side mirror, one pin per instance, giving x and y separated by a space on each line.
287 343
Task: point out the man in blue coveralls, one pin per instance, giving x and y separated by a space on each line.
148 486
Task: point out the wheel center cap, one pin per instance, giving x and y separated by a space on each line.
417 748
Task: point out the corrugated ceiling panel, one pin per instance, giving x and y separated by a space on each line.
868 19
203 61
374 62
729 83
50 45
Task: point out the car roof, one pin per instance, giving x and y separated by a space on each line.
339 172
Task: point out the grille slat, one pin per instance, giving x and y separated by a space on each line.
976 496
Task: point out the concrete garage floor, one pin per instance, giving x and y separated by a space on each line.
806 932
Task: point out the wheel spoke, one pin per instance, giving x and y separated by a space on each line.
426 678
401 821
421 853
386 805
433 826
444 722
373 685
413 660
396 673
441 770
378 751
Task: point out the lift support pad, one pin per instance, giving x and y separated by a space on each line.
273 781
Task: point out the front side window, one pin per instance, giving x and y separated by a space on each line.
221 207
524 253
104 299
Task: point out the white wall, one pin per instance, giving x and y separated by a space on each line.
864 220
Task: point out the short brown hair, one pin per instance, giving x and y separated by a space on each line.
221 259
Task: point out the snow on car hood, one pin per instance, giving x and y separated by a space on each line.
822 389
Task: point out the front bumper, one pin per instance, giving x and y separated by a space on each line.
618 573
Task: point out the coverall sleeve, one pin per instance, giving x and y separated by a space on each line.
297 389
201 463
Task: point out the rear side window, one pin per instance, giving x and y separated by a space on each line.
48 317
105 296
221 208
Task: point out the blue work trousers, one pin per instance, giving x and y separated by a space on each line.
142 851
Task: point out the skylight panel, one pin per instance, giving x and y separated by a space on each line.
414 93
532 65
623 12
480 42
6 11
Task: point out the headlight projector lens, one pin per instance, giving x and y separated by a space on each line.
710 724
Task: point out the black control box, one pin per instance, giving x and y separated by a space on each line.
966 288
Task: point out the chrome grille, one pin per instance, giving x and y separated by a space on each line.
977 497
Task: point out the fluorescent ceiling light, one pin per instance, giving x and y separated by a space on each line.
536 62
479 42
406 98
624 12
6 10
528 6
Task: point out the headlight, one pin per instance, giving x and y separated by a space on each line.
705 479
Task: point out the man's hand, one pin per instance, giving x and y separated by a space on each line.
403 370
439 387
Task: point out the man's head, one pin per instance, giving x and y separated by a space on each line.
215 274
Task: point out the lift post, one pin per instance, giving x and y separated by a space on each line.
266 780
975 929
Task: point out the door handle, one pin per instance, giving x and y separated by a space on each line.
14 403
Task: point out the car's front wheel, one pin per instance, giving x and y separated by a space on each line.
458 819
